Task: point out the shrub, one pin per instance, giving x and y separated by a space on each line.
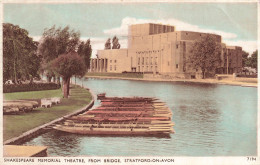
9 88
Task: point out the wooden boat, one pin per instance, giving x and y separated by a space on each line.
105 124
122 116
114 130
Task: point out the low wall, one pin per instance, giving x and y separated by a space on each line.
42 129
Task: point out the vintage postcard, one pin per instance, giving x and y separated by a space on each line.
129 82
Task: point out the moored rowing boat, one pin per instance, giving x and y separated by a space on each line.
122 116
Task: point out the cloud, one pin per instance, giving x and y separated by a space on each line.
179 25
248 46
36 38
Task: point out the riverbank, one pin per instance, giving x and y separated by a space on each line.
15 125
245 82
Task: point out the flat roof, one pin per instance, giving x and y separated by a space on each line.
152 24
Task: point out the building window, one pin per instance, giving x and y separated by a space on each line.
168 63
177 46
151 68
110 67
177 66
186 33
151 60
156 69
147 58
110 61
115 61
143 60
155 60
138 60
115 67
147 69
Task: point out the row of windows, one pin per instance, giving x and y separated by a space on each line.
177 65
112 61
146 60
150 51
111 68
146 69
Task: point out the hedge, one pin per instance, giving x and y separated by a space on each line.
9 88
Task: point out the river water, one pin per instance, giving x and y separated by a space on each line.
210 120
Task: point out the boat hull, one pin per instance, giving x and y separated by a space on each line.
87 131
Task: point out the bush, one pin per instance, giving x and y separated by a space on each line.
9 88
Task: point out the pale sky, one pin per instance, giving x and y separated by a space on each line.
235 22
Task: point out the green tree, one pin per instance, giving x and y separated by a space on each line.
108 44
67 65
205 54
252 61
244 58
115 43
85 51
54 42
20 60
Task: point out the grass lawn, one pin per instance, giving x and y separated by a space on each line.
123 75
33 94
15 125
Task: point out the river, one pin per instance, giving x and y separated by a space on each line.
210 120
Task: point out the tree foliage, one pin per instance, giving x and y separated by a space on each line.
85 51
252 61
54 42
244 58
108 44
67 65
115 43
20 60
205 54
